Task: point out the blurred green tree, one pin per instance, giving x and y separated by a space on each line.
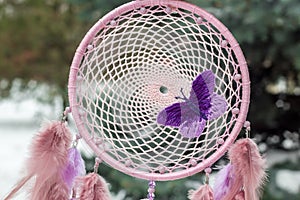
38 39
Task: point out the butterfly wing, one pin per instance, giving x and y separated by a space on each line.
170 116
218 106
192 128
176 114
202 89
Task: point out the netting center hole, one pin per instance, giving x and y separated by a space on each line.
163 90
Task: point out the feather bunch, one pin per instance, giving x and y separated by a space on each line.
204 192
92 187
48 157
248 170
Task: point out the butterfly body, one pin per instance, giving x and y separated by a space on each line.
203 104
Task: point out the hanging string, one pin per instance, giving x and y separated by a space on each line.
151 190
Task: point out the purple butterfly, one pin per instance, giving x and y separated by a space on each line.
202 105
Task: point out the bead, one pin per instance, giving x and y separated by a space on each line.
90 47
152 184
208 170
143 10
79 78
98 141
81 112
237 77
98 160
235 111
247 124
199 20
128 163
193 162
162 169
113 22
68 110
168 10
151 190
220 141
224 43
150 196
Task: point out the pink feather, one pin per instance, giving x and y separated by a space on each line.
48 156
249 169
240 196
203 193
92 187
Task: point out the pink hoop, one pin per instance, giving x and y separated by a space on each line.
242 110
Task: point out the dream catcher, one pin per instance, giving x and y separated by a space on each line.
159 90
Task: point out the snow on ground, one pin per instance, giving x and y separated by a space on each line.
14 144
19 121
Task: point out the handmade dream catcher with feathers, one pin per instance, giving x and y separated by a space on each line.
159 90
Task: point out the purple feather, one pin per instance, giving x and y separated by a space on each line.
224 180
74 168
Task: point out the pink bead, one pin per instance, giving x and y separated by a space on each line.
237 77
162 169
113 23
193 162
79 78
168 10
90 47
68 109
235 111
98 160
224 43
199 20
143 10
208 170
128 163
220 141
247 124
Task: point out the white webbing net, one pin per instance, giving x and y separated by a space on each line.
134 67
